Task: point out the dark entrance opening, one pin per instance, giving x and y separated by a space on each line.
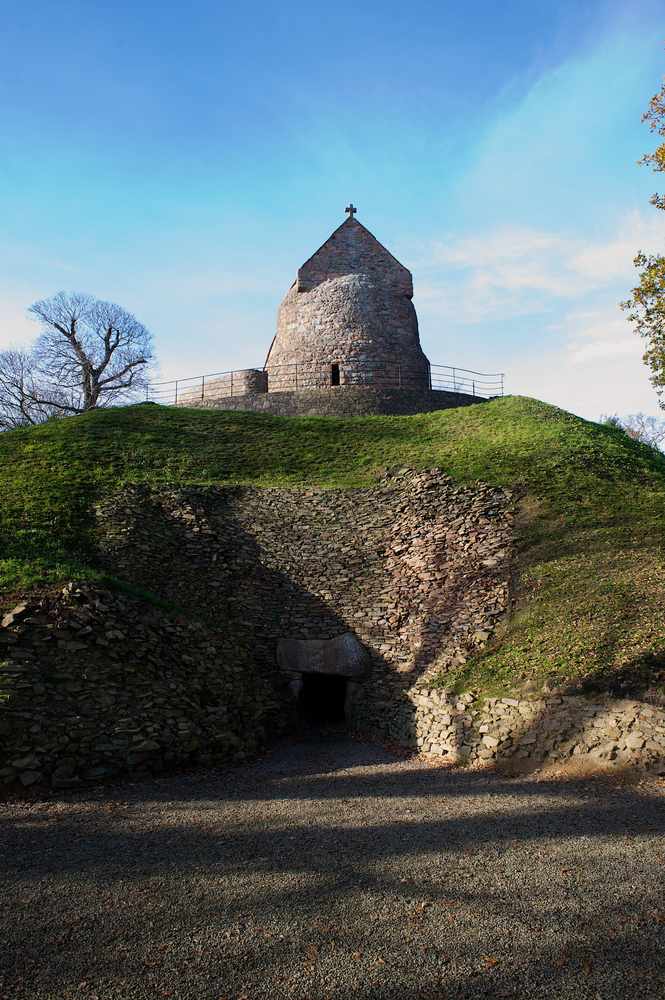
322 699
334 374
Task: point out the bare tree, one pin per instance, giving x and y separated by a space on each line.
18 391
15 409
648 430
640 427
89 354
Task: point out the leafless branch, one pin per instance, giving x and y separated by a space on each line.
89 354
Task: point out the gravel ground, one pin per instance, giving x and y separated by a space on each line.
331 869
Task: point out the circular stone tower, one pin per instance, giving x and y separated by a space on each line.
348 319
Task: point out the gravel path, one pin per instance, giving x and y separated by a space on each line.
331 869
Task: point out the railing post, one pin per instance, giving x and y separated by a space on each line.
296 373
454 381
203 387
231 385
176 392
473 383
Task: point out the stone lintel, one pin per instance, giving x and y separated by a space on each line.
343 655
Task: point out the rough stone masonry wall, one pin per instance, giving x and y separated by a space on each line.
344 401
370 330
462 729
417 568
95 685
351 305
244 382
352 249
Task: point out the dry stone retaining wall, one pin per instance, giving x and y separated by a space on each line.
459 728
343 401
416 568
95 685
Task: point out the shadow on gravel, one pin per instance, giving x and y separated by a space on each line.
34 848
389 878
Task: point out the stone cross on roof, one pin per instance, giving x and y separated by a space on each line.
351 209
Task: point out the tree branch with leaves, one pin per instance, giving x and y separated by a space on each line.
646 305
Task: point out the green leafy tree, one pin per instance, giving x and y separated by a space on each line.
646 306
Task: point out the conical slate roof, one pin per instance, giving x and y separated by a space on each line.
350 307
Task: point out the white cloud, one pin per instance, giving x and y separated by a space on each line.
610 260
596 367
600 386
15 327
599 333
545 306
554 299
518 271
507 243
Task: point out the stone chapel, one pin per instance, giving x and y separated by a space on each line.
348 318
347 342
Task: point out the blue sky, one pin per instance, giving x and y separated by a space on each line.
183 160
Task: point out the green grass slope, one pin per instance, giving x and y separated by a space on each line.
591 586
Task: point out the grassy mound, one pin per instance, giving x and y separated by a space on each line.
591 584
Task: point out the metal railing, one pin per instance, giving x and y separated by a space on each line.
196 389
451 379
288 378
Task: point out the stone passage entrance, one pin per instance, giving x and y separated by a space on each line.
324 676
322 698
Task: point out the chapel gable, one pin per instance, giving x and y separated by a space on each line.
352 249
